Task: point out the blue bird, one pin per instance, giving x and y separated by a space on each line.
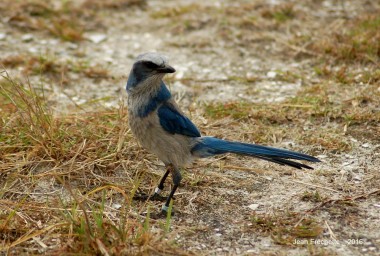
163 129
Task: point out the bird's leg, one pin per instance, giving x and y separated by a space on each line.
162 181
157 191
176 175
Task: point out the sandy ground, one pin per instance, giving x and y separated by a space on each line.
215 215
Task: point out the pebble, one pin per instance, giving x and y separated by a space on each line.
3 36
78 100
358 77
72 46
27 37
250 76
96 38
109 59
366 145
136 45
253 207
348 163
116 206
271 74
32 50
110 104
180 74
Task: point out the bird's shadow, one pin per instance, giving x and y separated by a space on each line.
141 196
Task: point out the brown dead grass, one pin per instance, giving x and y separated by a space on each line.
66 20
67 182
355 40
49 66
287 227
65 155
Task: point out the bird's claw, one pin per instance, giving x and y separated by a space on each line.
165 211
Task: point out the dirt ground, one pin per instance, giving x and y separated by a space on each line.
262 62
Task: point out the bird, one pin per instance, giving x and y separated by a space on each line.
160 126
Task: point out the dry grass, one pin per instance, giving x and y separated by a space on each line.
355 40
67 180
66 20
84 165
287 227
51 183
49 66
317 105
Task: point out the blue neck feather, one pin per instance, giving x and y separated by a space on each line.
162 95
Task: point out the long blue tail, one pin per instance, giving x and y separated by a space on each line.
210 146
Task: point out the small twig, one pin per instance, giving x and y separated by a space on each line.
344 200
101 247
34 193
209 162
38 241
366 195
33 233
316 186
299 222
256 170
297 48
332 235
296 105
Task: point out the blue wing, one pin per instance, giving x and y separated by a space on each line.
175 123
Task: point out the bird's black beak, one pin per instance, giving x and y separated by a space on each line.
166 69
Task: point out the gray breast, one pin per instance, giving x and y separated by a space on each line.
169 148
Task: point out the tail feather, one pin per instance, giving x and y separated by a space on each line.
286 162
209 146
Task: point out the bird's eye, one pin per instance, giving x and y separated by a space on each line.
151 65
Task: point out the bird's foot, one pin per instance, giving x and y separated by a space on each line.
161 214
165 211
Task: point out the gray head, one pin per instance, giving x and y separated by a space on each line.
148 65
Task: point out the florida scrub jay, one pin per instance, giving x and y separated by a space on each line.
161 127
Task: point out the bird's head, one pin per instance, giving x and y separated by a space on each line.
152 66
